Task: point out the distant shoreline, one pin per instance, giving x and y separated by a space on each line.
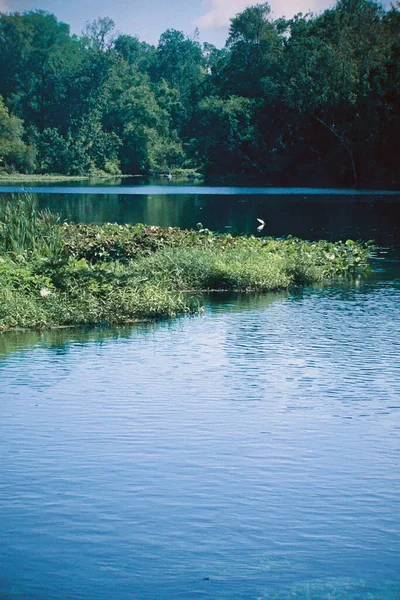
54 177
179 174
182 176
297 193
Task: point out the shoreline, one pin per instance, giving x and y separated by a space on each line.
55 177
176 174
180 181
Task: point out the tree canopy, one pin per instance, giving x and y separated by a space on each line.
312 99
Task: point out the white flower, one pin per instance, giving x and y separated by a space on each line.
45 292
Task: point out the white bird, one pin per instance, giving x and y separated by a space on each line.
260 227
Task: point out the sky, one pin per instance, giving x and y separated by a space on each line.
149 18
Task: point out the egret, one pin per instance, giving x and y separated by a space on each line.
260 227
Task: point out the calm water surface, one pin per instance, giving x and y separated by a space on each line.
251 453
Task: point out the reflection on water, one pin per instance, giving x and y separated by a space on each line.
65 338
311 214
313 218
61 339
252 452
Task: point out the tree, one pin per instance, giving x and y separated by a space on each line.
131 110
331 66
99 33
228 134
14 153
309 96
88 149
255 49
35 50
180 63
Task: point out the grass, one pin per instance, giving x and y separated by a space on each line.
210 269
25 231
22 177
56 274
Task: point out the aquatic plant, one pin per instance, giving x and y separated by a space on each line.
110 242
54 274
191 268
25 231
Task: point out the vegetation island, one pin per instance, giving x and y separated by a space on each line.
55 274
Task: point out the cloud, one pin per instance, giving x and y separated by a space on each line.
288 8
220 12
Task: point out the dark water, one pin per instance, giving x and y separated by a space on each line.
251 453
304 212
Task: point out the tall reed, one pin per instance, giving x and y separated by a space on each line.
25 231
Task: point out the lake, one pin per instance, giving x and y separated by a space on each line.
248 453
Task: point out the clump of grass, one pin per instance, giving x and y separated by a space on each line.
78 293
21 310
204 269
24 231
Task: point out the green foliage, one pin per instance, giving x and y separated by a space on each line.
227 131
21 310
123 243
142 124
307 100
180 63
207 268
36 57
255 51
336 71
89 150
99 33
110 242
19 277
25 232
14 153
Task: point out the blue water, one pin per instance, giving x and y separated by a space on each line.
199 190
249 453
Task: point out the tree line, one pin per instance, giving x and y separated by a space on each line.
313 99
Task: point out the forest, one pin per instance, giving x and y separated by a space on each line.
310 100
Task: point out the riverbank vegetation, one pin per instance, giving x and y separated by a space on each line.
56 274
309 100
14 177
